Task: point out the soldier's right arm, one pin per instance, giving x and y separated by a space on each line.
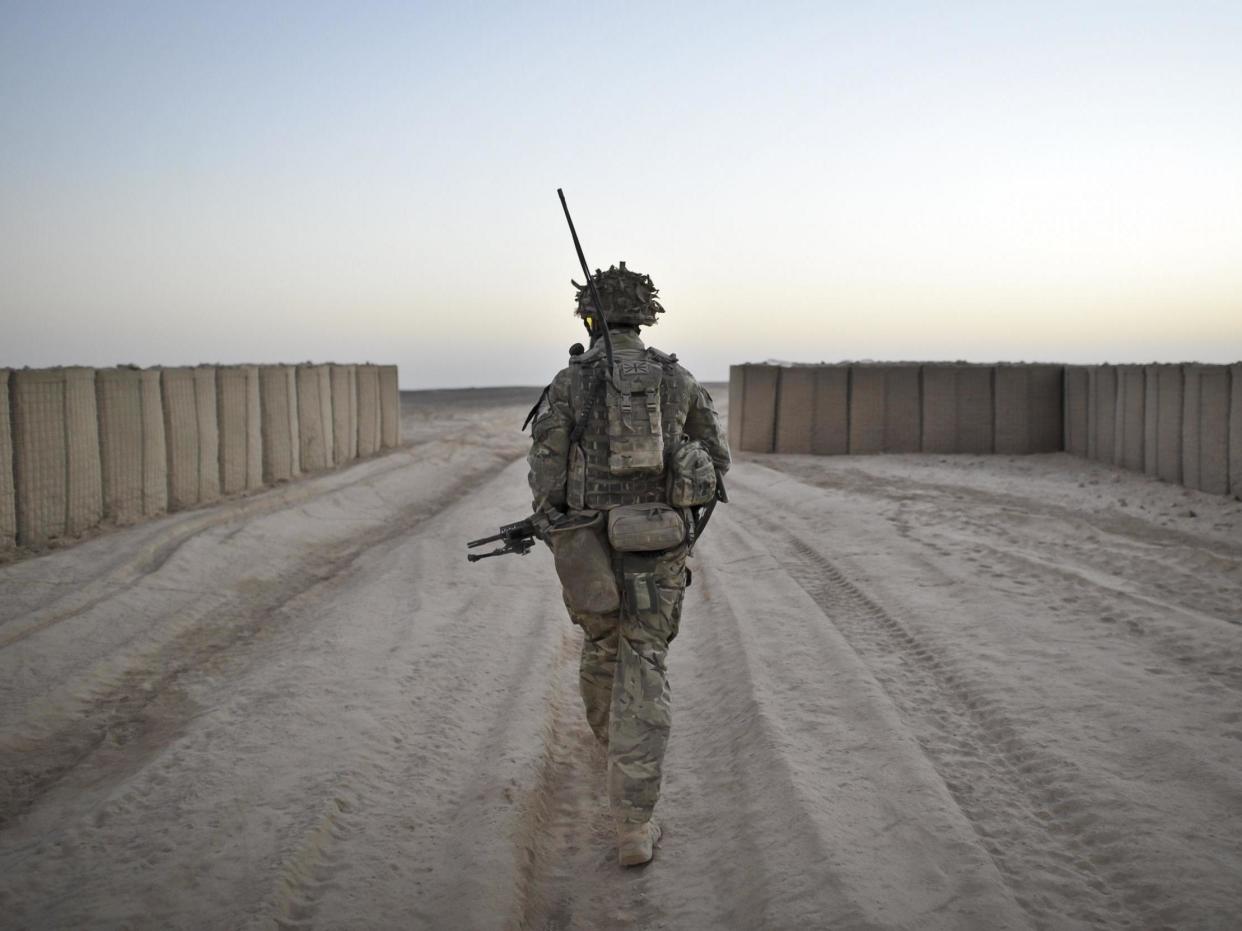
549 451
703 424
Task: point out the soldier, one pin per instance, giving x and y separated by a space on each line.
625 460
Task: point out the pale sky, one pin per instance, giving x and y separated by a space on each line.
232 182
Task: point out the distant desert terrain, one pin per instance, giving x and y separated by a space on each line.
915 692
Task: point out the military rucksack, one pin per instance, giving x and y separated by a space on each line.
635 427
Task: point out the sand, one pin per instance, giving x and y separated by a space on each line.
910 692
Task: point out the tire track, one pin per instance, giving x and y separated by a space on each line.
1113 581
762 821
1045 836
122 697
167 541
765 866
458 786
397 823
767 835
565 840
1145 618
1144 571
308 871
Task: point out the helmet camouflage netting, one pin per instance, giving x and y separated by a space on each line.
628 297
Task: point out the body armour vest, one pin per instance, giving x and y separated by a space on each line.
624 429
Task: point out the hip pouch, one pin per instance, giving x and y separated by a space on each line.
645 528
642 594
584 566
635 430
691 475
653 590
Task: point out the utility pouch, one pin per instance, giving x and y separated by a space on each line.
642 595
584 566
635 428
643 528
575 479
691 475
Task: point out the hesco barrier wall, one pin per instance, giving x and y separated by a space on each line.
1162 418
344 413
367 395
8 501
390 407
1101 412
56 468
737 392
80 446
1029 409
1235 429
797 411
1076 388
1181 423
278 405
1128 435
758 424
957 409
192 434
885 413
315 417
238 412
133 453
1205 428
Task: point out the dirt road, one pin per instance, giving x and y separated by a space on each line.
909 692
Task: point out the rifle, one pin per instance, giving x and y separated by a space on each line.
601 326
704 514
597 328
518 537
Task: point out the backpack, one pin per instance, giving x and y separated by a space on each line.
635 426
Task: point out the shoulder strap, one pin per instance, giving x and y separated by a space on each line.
534 411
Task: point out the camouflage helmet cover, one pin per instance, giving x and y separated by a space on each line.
628 297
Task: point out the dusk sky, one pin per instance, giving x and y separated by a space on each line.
231 182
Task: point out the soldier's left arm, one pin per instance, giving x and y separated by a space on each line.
703 424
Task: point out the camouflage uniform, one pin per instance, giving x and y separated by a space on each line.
623 674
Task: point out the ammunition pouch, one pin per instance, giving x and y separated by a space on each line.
645 528
691 475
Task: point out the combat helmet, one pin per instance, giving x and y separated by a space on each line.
628 297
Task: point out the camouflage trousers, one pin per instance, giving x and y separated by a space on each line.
623 676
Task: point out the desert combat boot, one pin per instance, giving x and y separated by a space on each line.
636 842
